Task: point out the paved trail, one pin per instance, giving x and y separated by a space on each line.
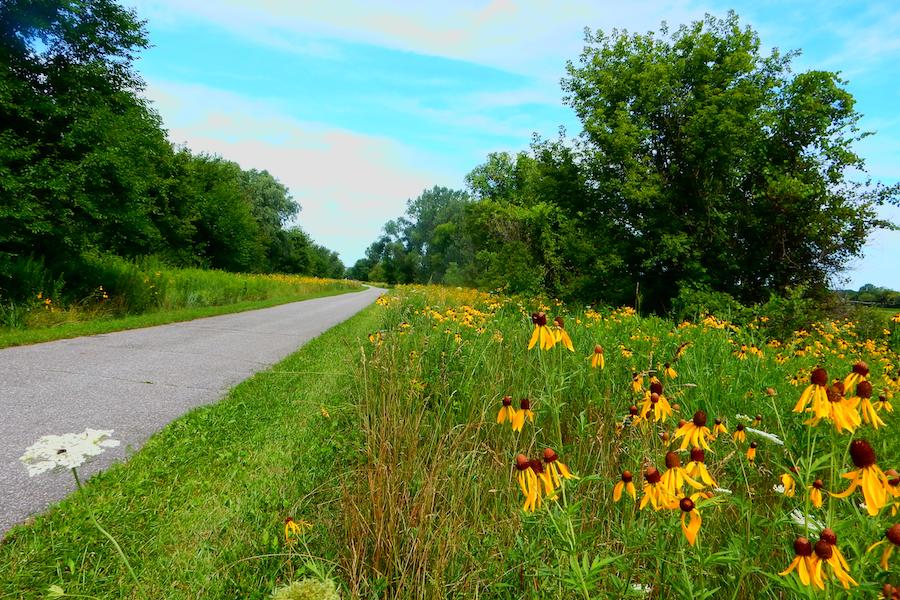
135 382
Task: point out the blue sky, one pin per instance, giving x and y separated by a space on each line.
358 105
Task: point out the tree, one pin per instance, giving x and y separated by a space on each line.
711 164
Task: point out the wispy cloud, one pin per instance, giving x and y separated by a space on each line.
348 184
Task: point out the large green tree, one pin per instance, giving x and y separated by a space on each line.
710 163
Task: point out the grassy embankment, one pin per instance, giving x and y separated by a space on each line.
409 484
128 295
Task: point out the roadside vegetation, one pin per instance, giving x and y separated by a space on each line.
373 458
129 294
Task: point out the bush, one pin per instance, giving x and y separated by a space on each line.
693 302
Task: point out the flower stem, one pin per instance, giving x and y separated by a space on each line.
107 534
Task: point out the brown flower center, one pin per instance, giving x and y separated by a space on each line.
829 536
697 455
700 418
819 377
818 484
539 318
559 322
627 477
507 400
802 547
672 460
861 368
862 454
893 534
686 504
525 404
654 398
656 388
652 475
598 349
522 462
864 389
536 466
823 550
550 455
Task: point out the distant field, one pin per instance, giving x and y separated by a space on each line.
382 439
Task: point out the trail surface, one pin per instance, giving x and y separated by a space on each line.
135 382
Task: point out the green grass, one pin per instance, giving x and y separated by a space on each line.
106 324
200 508
409 482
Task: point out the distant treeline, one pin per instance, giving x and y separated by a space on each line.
85 166
873 295
703 168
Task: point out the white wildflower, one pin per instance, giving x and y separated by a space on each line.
67 451
744 418
778 488
769 436
642 589
804 521
721 490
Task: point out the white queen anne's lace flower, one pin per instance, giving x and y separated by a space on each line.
66 451
769 436
815 526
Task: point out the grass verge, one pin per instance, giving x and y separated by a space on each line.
19 337
200 508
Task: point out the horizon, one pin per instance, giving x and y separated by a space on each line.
357 109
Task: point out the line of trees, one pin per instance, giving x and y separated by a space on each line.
702 165
85 165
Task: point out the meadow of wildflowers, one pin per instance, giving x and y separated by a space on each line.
515 448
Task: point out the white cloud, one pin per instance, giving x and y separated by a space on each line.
347 184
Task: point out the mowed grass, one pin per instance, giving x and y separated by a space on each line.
409 483
200 508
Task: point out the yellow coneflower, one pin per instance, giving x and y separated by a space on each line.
542 334
637 382
789 485
867 410
891 539
815 493
757 421
507 412
556 470
626 483
837 409
884 404
654 492
719 428
696 468
631 419
524 412
597 360
528 483
561 336
859 373
751 452
679 352
815 392
739 434
803 561
676 476
826 551
742 353
689 510
694 432
868 476
293 530
669 372
543 477
662 410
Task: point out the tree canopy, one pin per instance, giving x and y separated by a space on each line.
703 163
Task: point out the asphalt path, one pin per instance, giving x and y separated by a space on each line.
135 382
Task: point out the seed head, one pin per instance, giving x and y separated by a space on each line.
754 445
672 460
598 349
802 547
686 504
697 455
633 410
823 550
771 391
656 388
627 477
525 404
522 462
651 474
536 466
818 484
740 427
893 534
539 318
861 368
654 398
550 455
700 418
828 535
819 377
862 454
835 392
507 400
559 322
864 389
